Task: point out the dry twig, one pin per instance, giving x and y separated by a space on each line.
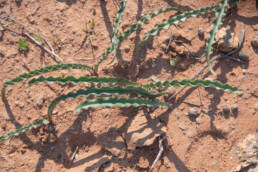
10 18
170 40
73 156
161 149
57 58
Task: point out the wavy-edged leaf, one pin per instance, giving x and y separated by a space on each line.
82 79
133 28
176 19
117 24
21 130
198 82
109 102
100 91
43 70
220 12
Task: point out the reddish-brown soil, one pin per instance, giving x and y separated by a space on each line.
105 137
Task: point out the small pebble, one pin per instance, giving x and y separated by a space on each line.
226 40
254 41
198 121
243 55
171 90
153 65
243 66
244 71
234 108
155 79
205 111
193 112
256 107
225 109
201 33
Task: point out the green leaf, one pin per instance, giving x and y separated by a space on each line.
176 19
21 130
109 102
83 79
117 24
100 91
43 70
133 28
220 12
199 82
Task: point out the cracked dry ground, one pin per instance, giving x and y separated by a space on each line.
127 139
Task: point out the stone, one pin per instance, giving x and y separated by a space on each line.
180 49
143 132
173 45
205 111
234 108
226 40
256 107
193 113
155 79
247 153
198 121
171 90
254 40
201 33
243 55
153 65
225 109
255 92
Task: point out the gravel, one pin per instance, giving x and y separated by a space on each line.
256 107
225 109
201 33
243 55
234 108
193 112
254 41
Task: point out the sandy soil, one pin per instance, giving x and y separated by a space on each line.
124 139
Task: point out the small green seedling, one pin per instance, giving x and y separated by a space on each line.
172 62
92 24
37 37
23 45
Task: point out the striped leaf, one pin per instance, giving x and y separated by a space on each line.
176 19
100 91
220 12
109 102
133 28
117 24
83 79
32 125
43 70
199 82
